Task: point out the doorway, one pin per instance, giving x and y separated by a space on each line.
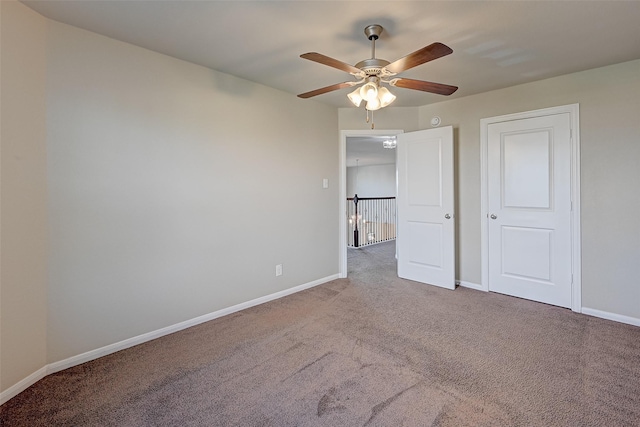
530 206
374 136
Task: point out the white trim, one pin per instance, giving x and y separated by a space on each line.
342 193
576 229
484 208
611 316
51 368
576 256
22 385
470 285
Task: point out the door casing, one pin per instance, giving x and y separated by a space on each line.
573 110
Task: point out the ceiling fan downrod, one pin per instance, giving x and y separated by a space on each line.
373 33
372 66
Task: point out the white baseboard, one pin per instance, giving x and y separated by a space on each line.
22 385
611 316
470 285
27 382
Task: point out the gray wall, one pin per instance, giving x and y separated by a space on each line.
170 191
174 192
371 181
23 224
390 118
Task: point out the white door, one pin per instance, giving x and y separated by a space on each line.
529 208
425 240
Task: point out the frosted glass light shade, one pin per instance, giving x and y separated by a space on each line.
373 104
355 97
385 96
369 91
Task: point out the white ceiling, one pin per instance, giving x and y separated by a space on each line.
368 150
495 43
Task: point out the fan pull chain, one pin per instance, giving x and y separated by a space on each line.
372 124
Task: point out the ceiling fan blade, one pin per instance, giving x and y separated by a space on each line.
439 88
428 53
323 59
325 89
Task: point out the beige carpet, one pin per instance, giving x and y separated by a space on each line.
372 350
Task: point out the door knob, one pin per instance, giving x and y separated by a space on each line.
493 216
447 216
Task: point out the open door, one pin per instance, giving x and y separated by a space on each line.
426 233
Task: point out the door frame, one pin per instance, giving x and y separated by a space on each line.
342 192
576 258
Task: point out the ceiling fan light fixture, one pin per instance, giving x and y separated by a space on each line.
389 143
355 97
373 72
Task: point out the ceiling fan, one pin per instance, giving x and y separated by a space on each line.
372 72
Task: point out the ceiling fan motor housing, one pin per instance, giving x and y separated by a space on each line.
372 66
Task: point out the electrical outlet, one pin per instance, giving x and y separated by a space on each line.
279 270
